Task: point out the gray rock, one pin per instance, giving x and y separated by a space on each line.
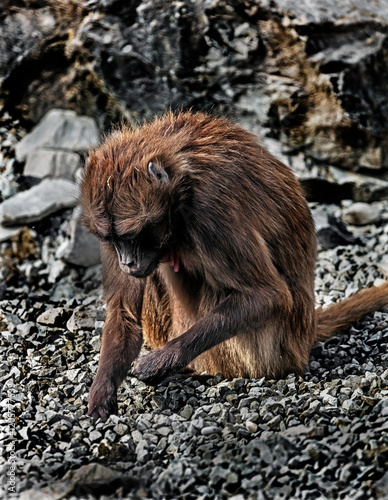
51 416
383 265
55 491
72 375
211 429
251 426
120 429
303 430
22 34
26 329
88 477
362 187
331 231
95 436
338 12
56 269
142 450
360 214
52 163
92 473
349 54
38 202
83 248
64 290
60 129
8 186
135 59
381 486
55 316
8 233
81 320
331 185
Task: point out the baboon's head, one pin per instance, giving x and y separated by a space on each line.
129 196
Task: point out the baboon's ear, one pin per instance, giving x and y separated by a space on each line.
158 172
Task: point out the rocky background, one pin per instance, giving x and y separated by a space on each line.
311 79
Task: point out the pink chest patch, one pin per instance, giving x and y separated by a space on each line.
174 262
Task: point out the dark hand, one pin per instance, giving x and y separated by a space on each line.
102 399
155 366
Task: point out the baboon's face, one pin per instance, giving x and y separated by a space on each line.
131 213
140 253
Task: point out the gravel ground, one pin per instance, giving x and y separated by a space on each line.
323 435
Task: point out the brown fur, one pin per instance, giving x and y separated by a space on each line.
236 221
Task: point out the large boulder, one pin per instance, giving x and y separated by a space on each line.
42 200
81 248
60 130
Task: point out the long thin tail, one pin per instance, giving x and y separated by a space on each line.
340 315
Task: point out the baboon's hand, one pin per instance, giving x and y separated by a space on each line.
155 366
102 399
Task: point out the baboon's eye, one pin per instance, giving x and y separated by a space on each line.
157 172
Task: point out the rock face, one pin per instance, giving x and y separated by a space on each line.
314 77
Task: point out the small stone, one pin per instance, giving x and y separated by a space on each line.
383 265
110 436
164 431
9 233
81 320
56 269
26 329
350 405
187 412
331 231
95 436
55 316
136 436
72 374
211 429
24 432
120 429
142 450
274 423
251 426
303 430
51 416
330 400
314 365
360 214
381 486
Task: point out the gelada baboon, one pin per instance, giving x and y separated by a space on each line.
208 252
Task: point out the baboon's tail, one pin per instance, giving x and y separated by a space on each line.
340 315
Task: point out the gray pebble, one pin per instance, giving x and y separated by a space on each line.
209 430
361 214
